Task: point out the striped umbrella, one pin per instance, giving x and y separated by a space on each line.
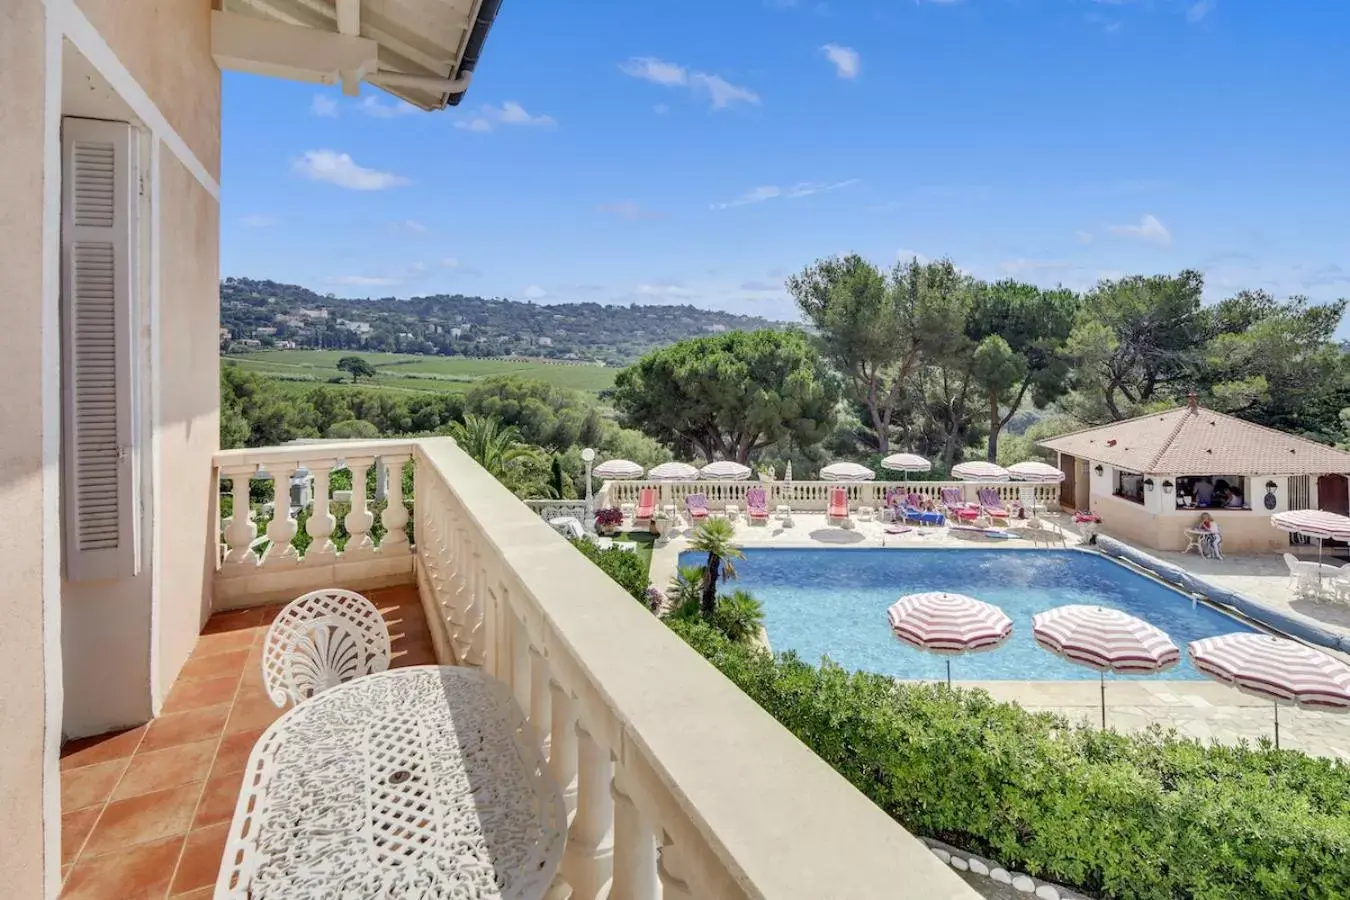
724 470
1032 470
1314 523
1278 669
1107 640
673 471
948 624
622 469
906 462
846 471
978 470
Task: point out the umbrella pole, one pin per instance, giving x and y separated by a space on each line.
1102 675
949 673
1277 724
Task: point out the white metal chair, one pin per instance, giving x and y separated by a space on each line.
319 641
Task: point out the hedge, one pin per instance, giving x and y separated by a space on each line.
624 566
1148 815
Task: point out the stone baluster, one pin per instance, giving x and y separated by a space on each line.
322 551
673 873
239 557
519 637
562 757
359 518
395 515
541 698
634 846
588 860
281 530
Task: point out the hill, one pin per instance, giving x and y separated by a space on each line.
260 314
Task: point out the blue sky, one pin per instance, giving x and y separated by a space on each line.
701 151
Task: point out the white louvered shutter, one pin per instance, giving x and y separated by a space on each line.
99 201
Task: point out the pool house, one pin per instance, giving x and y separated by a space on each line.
1151 478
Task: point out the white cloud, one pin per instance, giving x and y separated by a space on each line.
791 192
257 220
371 106
1198 10
340 169
1084 237
904 255
509 113
721 93
846 61
663 289
458 266
534 292
324 106
409 226
364 280
1149 229
761 287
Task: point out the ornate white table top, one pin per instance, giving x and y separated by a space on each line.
420 782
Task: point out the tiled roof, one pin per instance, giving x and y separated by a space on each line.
1199 441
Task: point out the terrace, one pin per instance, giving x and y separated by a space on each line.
674 776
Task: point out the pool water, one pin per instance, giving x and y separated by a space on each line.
832 602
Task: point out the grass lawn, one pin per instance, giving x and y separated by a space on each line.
401 371
644 540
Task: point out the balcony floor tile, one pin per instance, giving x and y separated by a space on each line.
145 811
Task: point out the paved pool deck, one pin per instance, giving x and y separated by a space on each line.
1203 710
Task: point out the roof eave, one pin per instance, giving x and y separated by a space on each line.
473 47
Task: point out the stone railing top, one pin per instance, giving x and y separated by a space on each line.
318 450
781 822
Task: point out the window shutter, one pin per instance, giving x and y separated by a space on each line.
99 200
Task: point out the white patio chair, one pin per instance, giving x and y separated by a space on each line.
319 641
1305 576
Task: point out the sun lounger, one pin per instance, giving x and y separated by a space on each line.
923 516
957 507
991 504
646 506
838 511
757 506
697 507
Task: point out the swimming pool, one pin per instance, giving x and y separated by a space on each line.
833 602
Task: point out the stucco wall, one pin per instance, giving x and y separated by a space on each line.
1244 531
166 46
23 764
189 428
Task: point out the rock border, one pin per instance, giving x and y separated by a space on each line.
964 861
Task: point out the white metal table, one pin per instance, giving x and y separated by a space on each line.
418 782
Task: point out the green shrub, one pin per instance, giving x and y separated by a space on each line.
738 618
1148 815
624 566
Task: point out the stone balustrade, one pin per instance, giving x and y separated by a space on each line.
281 571
678 785
808 496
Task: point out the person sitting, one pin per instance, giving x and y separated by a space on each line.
1234 500
929 505
1204 492
1212 541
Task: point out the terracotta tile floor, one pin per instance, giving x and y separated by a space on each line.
144 812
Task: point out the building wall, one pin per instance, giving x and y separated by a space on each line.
1244 531
189 432
29 603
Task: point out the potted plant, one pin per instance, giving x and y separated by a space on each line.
608 519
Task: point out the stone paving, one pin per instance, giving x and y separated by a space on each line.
1203 710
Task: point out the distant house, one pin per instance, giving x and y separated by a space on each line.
545 342
265 331
456 332
250 342
224 335
1151 477
285 345
354 327
292 321
312 313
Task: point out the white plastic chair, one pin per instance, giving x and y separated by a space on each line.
319 641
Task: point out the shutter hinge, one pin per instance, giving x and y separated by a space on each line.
140 183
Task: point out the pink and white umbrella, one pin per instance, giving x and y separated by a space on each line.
1276 668
948 624
1325 526
1107 640
978 470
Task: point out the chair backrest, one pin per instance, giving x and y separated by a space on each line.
646 498
990 497
838 498
755 498
914 500
319 641
696 501
952 497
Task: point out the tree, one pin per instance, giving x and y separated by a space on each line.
730 395
714 537
353 428
498 449
356 367
876 328
1020 334
1136 337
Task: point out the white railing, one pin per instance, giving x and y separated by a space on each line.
814 495
680 786
555 509
245 577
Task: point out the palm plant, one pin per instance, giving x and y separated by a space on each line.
496 447
685 588
739 616
714 538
